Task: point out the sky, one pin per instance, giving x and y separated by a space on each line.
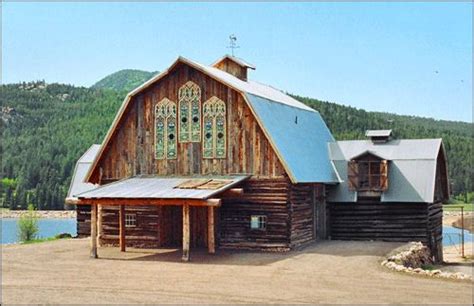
405 58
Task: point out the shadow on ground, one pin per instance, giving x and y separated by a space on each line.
250 258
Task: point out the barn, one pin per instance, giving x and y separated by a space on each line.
201 156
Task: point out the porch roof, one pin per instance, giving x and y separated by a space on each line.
156 187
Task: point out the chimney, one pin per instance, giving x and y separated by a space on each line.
235 66
379 136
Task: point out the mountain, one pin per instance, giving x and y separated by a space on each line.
46 127
126 80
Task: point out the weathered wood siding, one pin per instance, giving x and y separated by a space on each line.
268 197
83 218
144 234
387 222
301 197
131 150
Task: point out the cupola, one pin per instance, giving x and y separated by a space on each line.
379 136
235 66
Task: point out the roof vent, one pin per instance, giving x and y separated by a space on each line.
379 136
234 65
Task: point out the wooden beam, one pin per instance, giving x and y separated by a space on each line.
122 241
210 230
186 233
161 202
233 192
94 231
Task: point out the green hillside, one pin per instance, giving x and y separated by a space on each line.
126 80
46 128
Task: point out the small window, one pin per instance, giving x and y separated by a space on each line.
130 220
258 222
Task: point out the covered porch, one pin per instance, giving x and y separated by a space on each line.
185 195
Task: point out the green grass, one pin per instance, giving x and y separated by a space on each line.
455 207
39 240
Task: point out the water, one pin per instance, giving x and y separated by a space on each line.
52 227
452 235
47 228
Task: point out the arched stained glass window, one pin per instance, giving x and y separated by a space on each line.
189 96
214 128
165 130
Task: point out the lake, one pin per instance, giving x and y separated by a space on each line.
47 228
51 227
452 235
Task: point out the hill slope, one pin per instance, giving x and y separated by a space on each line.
46 128
126 80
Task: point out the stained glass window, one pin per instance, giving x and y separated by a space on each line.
214 128
165 130
189 96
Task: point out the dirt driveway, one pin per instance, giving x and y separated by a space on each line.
326 272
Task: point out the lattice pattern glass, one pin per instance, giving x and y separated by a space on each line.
214 128
189 96
165 130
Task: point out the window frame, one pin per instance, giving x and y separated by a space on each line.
130 220
262 222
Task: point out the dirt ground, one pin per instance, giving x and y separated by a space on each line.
326 272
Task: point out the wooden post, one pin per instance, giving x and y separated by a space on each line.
93 231
122 228
186 234
210 230
100 232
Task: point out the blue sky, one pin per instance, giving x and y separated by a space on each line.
375 56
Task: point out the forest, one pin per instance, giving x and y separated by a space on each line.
46 128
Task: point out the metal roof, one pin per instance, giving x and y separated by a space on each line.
80 171
378 133
239 61
300 138
392 150
412 168
147 187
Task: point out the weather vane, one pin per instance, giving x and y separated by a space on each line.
233 43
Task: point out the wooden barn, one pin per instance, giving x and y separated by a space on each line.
201 156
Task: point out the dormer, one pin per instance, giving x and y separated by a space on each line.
379 136
235 66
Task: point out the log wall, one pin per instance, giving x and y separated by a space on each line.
301 210
268 197
401 222
83 218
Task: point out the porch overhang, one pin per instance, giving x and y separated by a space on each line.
155 190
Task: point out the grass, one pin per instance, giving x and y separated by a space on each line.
39 240
455 207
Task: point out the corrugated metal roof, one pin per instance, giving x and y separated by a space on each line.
300 137
147 187
80 171
235 59
378 133
412 168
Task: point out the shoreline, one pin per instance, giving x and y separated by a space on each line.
43 214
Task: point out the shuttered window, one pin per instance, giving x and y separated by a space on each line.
189 96
214 128
367 175
165 130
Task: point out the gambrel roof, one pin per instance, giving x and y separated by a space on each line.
83 165
301 147
412 169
